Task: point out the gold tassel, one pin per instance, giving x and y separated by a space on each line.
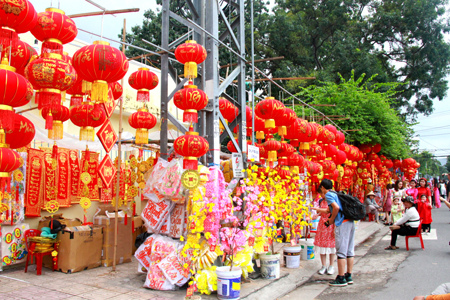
99 91
2 136
272 155
87 134
63 96
294 169
260 135
282 130
86 87
269 123
141 136
57 132
190 70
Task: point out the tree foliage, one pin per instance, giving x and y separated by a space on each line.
368 110
429 165
447 165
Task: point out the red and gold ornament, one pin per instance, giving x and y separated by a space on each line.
143 80
54 117
269 109
190 99
190 54
191 146
23 133
142 121
87 116
16 16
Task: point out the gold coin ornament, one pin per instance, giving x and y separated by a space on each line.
190 179
85 177
143 167
132 191
133 163
3 207
18 175
142 185
52 206
133 177
85 203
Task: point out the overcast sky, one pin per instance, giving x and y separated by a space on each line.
434 130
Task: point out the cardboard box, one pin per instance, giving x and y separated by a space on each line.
124 239
80 248
59 217
138 229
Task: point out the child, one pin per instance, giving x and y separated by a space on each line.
396 210
324 240
424 209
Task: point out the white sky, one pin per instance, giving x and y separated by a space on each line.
432 138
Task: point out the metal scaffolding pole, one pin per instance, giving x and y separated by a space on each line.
164 78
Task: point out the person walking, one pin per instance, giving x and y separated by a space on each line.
371 205
436 193
344 233
324 240
407 225
442 190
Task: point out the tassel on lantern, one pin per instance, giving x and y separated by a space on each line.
99 91
294 169
2 136
282 161
190 163
272 155
8 37
282 131
190 70
57 132
190 116
87 134
52 46
49 121
55 151
304 146
294 143
260 135
143 95
269 123
86 87
7 117
75 100
141 136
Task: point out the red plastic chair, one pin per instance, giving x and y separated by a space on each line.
418 235
31 254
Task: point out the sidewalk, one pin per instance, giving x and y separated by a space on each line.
126 283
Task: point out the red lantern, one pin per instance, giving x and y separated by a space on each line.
232 148
330 150
271 146
55 116
365 148
18 16
117 89
9 161
259 128
309 136
15 91
54 29
50 75
142 121
328 166
296 161
262 153
327 137
284 120
22 134
20 56
296 130
227 109
331 128
190 54
191 146
284 153
341 157
100 63
87 116
76 90
190 99
376 148
372 157
340 139
143 80
269 109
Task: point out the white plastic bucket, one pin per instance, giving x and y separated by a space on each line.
270 266
307 249
292 257
228 283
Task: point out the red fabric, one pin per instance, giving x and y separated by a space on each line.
424 209
423 190
325 235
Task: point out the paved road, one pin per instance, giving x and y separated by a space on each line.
392 275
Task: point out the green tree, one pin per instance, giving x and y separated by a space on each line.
447 165
429 165
368 109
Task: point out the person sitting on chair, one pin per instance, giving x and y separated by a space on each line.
407 225
371 205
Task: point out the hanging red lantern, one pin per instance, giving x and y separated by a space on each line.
232 148
117 89
76 90
331 128
55 116
15 91
191 146
269 109
376 148
190 54
372 157
9 161
262 153
340 139
296 131
341 157
227 109
54 29
286 150
18 16
365 148
259 128
143 80
20 56
87 116
296 161
190 99
330 150
388 163
100 64
50 75
285 120
327 136
328 166
22 134
271 146
307 137
142 121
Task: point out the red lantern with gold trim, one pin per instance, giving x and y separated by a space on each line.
87 116
55 116
269 109
190 99
285 120
271 146
117 89
18 16
142 121
23 133
15 91
306 137
20 56
9 161
340 138
50 75
341 157
227 109
286 150
388 163
262 153
190 54
100 63
143 80
76 92
191 146
54 29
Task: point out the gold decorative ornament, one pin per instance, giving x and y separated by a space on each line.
85 177
52 206
190 179
85 203
18 175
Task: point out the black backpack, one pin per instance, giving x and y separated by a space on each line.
352 208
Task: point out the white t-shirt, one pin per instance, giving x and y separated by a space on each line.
410 218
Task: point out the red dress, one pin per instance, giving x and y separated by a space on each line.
423 191
325 235
424 209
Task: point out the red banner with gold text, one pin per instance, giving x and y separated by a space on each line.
33 193
91 167
74 175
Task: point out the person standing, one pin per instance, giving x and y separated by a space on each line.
423 189
412 191
324 240
344 233
399 191
424 208
397 210
387 205
442 191
436 193
371 205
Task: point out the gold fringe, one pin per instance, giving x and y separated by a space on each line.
190 70
282 130
87 134
99 92
304 146
294 169
63 96
141 136
260 135
269 123
272 156
86 87
57 132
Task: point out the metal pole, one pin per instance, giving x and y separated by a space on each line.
253 70
164 78
116 216
241 82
